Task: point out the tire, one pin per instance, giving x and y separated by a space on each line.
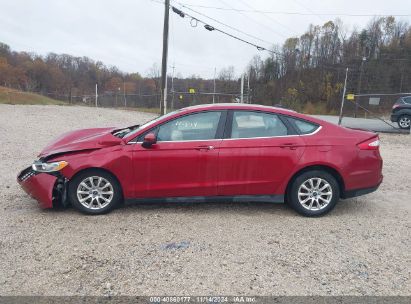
404 121
313 199
94 192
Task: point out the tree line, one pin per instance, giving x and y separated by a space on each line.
305 73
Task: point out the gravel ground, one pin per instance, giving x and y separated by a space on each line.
361 248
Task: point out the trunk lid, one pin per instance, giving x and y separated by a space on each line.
360 134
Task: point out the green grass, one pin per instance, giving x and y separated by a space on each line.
15 97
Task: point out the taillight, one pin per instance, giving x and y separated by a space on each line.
395 106
370 144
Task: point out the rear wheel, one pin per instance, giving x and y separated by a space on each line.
314 193
94 192
404 121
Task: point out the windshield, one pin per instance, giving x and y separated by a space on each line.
151 122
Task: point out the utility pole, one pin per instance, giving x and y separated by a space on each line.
242 89
214 85
163 102
96 95
343 97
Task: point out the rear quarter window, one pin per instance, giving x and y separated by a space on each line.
303 126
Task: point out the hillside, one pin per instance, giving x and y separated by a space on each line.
11 96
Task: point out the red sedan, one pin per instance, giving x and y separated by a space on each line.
222 152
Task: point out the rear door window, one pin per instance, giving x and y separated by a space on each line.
249 124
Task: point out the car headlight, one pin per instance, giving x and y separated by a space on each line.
49 167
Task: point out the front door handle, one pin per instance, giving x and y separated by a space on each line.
205 148
291 146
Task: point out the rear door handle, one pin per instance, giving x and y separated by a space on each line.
205 148
291 146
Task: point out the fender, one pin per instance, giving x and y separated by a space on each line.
120 165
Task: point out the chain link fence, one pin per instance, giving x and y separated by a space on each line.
175 100
371 95
371 105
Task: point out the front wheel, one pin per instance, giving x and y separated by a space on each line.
404 121
94 192
314 193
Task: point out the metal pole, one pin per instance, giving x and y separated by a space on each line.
242 89
359 85
343 97
163 105
214 86
96 95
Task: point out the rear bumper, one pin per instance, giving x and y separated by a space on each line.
362 191
38 185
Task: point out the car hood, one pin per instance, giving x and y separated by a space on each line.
85 139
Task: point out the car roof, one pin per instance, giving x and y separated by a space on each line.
233 106
253 107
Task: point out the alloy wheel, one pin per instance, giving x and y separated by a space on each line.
95 192
404 122
315 194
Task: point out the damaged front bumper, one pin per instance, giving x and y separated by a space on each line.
49 189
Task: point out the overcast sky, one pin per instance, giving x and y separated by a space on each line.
128 33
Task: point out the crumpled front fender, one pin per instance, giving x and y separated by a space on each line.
38 185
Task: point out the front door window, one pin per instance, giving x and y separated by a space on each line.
200 126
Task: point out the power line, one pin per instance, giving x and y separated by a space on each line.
256 22
226 25
269 17
173 49
309 10
212 28
157 1
295 13
207 26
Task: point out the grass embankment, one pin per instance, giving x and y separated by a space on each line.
15 97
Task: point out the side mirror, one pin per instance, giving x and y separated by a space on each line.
149 140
